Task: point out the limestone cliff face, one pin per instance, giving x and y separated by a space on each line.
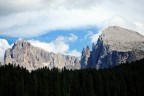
24 54
85 57
116 45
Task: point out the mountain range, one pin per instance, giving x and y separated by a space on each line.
114 46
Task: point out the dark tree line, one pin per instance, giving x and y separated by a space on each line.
123 80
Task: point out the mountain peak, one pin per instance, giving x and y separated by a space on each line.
118 33
121 39
20 42
115 46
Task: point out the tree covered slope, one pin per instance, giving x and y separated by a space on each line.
123 80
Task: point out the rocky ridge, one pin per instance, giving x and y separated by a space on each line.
24 54
85 57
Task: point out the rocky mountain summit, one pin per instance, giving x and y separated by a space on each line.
115 45
24 54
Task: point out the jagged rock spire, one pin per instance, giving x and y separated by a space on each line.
85 57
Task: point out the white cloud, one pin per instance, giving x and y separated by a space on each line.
24 18
59 45
88 35
74 53
8 6
3 46
95 37
72 38
56 46
28 24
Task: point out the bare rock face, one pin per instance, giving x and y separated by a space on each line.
116 45
85 57
24 54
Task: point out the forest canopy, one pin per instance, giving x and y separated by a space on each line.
123 80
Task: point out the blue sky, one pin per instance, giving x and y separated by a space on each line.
65 26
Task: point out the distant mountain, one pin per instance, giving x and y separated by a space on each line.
115 45
24 54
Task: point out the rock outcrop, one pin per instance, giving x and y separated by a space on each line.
85 58
116 45
24 54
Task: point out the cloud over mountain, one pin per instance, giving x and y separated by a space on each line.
3 46
24 18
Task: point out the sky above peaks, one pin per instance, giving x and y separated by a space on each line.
65 26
